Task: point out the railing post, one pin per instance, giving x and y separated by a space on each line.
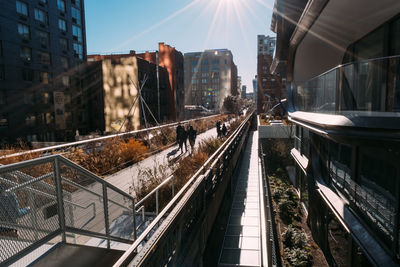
33 214
60 199
173 186
157 202
134 219
106 221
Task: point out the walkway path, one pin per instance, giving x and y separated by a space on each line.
242 242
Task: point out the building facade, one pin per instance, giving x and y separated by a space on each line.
210 76
342 64
244 91
117 79
172 60
266 45
270 88
39 42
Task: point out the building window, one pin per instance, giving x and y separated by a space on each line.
61 5
77 3
44 77
64 44
64 62
44 58
62 25
76 15
2 98
43 38
65 80
2 73
23 31
26 53
77 33
22 8
30 120
3 121
27 75
40 16
78 50
28 98
204 80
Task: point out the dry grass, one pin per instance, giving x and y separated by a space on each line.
115 154
150 178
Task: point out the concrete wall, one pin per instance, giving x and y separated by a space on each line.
275 131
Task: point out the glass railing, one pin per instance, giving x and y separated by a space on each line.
363 86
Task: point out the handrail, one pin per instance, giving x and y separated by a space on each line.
347 64
72 144
127 255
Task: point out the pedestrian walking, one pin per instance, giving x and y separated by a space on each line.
179 132
192 137
218 126
184 138
224 130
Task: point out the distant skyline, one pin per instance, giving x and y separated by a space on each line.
187 25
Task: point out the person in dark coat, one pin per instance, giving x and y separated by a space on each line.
224 130
184 138
179 131
218 125
192 137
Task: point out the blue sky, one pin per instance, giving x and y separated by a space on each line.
188 25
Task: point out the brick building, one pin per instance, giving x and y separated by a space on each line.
172 60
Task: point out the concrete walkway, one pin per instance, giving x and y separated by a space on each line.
242 241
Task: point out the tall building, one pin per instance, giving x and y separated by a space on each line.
39 41
210 76
342 66
255 89
270 88
266 45
239 85
172 60
244 91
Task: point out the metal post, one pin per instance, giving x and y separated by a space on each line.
105 205
33 214
158 87
134 219
173 186
61 215
157 202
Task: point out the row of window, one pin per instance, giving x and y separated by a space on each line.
45 57
42 16
25 33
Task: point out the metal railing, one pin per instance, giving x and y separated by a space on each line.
367 85
273 253
171 235
98 140
51 199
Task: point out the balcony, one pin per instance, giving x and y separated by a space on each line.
364 88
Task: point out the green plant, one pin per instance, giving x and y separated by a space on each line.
278 194
286 210
299 257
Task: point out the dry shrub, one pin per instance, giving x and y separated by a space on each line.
114 154
20 147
